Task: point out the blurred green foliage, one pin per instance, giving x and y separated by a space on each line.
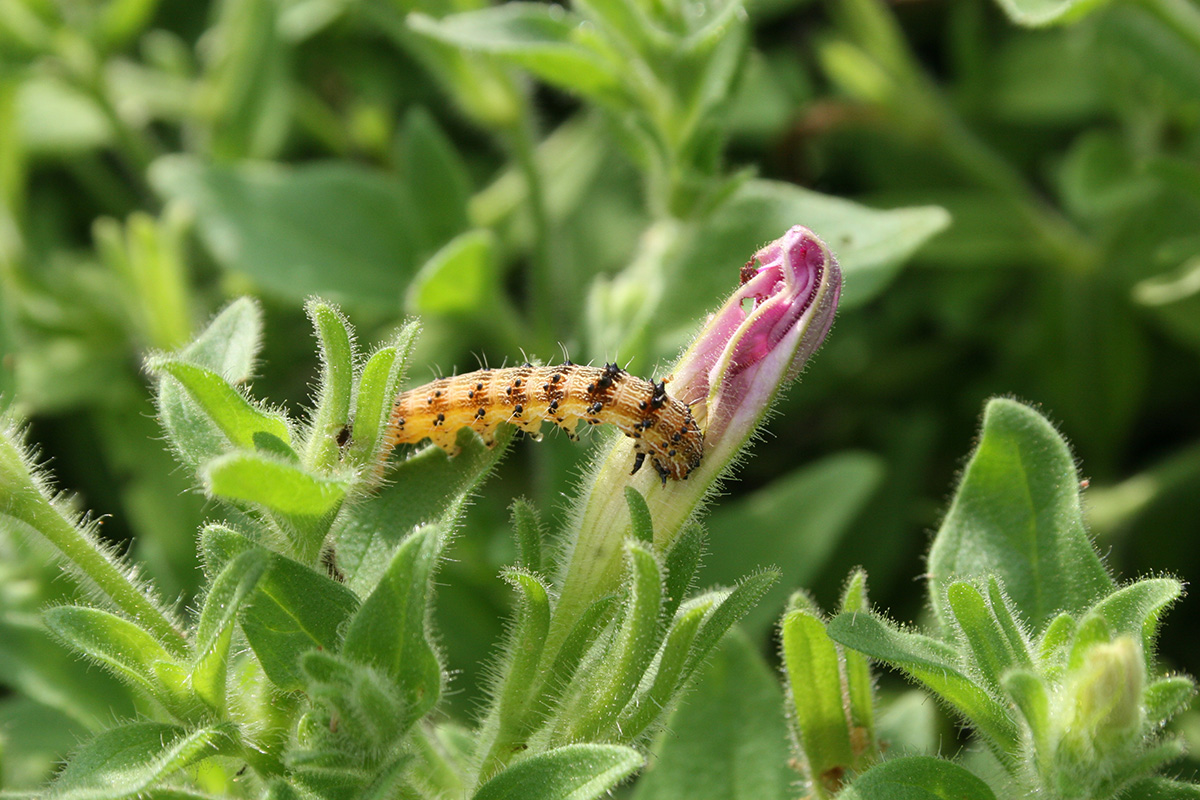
1026 221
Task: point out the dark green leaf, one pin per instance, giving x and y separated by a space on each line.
214 630
438 176
128 760
917 778
573 772
1016 515
728 740
389 633
334 229
293 610
932 663
425 488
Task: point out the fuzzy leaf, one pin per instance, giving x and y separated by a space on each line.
1167 697
293 610
364 700
932 663
860 686
427 487
735 605
126 761
640 521
389 632
214 631
681 564
377 388
529 534
573 772
917 778
332 413
237 418
219 545
655 701
278 485
1163 789
529 638
1137 609
737 695
126 650
988 645
812 667
1016 515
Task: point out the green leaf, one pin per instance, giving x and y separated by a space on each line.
860 685
332 414
1028 692
729 610
573 772
529 535
378 386
427 487
1036 13
587 629
438 176
550 43
681 563
364 700
214 630
126 650
636 642
1056 644
1162 789
126 761
332 229
795 521
1016 515
640 521
728 741
1137 609
991 652
812 667
934 664
389 630
229 344
293 610
870 245
1174 297
917 778
278 485
219 545
460 279
1167 697
528 641
653 703
235 416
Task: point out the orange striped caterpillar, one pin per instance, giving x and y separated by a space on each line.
664 428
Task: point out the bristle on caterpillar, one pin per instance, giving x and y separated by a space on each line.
663 429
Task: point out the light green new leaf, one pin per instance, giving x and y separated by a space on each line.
573 772
550 42
331 229
1137 609
378 385
917 778
812 667
127 761
654 702
1016 516
332 413
728 739
934 664
278 485
389 632
991 650
235 416
293 610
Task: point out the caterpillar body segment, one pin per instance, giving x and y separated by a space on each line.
664 430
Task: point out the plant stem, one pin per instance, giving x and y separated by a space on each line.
24 502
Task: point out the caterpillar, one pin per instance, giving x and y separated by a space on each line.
664 429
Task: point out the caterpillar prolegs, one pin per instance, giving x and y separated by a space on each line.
663 428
